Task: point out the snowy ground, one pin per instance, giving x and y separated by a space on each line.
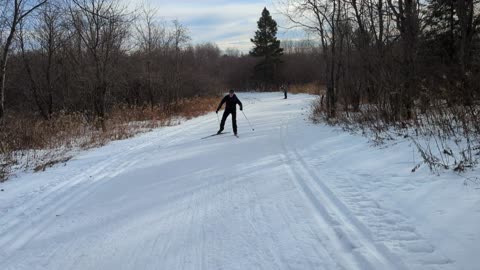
290 195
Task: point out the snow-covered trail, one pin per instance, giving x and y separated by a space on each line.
290 195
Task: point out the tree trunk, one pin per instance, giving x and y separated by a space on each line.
3 64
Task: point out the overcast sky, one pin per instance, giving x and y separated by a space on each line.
228 23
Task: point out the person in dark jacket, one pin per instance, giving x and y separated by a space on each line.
284 89
231 102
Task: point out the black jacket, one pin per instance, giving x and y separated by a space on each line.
231 103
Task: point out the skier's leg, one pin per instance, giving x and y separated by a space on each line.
222 123
234 122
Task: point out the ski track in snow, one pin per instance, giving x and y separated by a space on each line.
61 195
357 239
351 240
276 198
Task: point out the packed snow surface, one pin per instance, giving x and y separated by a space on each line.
289 195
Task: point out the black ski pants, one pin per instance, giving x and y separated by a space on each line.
234 120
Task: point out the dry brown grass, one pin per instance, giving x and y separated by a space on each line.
194 107
27 143
309 88
446 136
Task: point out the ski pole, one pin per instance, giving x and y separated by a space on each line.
218 118
248 121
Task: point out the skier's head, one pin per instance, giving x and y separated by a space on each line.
231 92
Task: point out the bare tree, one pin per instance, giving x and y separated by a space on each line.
321 17
12 12
179 37
102 27
152 36
46 38
407 14
468 22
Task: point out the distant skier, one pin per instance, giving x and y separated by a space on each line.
231 102
283 88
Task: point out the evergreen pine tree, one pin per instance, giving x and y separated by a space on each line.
267 46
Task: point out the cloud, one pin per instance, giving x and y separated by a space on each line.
230 24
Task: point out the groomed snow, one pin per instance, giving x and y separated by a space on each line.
289 195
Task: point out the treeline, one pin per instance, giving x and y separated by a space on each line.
395 53
89 55
405 63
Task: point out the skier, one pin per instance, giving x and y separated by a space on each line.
283 88
231 102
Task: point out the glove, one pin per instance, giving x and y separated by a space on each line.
241 109
216 111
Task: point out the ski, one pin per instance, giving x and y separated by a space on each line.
216 134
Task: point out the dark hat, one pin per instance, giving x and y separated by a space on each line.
231 91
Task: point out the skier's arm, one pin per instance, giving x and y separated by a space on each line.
240 103
221 103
